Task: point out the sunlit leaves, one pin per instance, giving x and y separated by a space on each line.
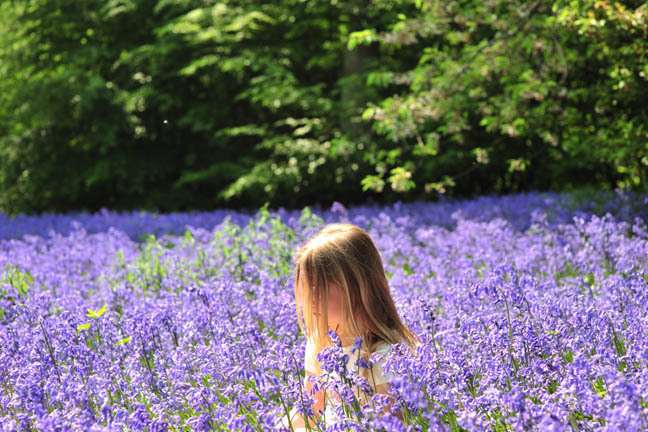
17 278
373 183
82 327
361 37
96 313
503 68
123 341
400 179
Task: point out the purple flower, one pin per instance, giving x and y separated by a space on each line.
531 312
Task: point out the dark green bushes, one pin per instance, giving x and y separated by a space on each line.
173 105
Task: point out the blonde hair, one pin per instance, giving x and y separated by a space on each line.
345 255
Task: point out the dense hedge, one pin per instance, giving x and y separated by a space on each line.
173 105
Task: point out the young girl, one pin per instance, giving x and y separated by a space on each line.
340 285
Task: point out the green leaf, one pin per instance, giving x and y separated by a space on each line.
362 37
202 62
123 341
552 387
568 356
589 279
407 269
400 179
428 148
250 21
20 280
368 113
81 327
379 78
96 313
599 387
619 345
372 182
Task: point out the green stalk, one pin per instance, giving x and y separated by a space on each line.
50 349
283 404
510 335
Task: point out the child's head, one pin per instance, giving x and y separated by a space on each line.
340 284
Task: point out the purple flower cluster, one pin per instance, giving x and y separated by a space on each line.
532 317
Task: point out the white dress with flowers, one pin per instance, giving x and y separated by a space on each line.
377 375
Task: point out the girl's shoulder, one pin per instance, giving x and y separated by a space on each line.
380 347
383 346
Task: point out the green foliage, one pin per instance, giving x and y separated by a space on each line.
123 341
568 356
599 387
82 327
171 105
516 95
14 278
20 280
96 314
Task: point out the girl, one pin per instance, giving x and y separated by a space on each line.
340 284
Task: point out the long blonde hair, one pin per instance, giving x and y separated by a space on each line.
345 255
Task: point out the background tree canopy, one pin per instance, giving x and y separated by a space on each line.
181 104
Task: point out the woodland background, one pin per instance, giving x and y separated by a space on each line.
174 105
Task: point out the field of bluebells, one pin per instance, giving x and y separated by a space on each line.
533 310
